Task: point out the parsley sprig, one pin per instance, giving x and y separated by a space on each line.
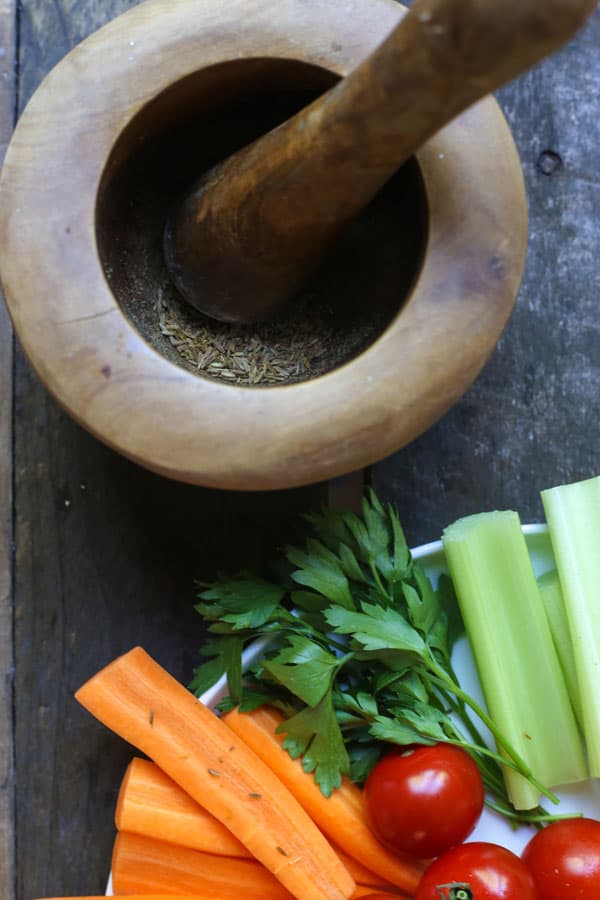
357 653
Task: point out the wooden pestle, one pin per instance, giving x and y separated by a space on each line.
254 228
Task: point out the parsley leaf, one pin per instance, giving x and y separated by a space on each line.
314 734
304 668
319 569
227 660
243 602
377 628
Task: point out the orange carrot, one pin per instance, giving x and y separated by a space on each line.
150 803
143 897
362 876
144 865
367 893
146 706
341 817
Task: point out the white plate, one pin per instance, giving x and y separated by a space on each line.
584 797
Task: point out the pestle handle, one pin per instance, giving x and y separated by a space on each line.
253 229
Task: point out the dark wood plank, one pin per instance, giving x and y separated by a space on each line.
7 783
531 419
107 556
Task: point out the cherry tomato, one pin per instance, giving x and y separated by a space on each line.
564 859
477 871
424 800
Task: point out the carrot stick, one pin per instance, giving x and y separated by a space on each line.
362 876
152 804
144 865
143 897
146 706
341 817
367 893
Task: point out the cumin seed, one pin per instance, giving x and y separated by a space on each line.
302 342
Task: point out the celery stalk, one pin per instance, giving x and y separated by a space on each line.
573 515
552 598
520 674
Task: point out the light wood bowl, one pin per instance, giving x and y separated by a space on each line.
136 78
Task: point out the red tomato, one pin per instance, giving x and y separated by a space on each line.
424 800
477 871
564 859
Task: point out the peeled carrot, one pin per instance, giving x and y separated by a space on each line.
144 865
152 804
364 877
142 897
368 893
341 816
146 706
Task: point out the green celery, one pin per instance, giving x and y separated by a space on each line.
520 674
552 598
573 515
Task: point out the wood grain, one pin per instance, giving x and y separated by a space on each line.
7 781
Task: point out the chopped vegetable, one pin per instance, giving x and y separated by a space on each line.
366 894
152 804
573 516
342 817
146 706
364 877
144 865
360 653
552 598
564 859
424 800
513 649
477 870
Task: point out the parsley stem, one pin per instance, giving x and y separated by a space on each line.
526 817
378 582
485 751
514 760
490 768
492 774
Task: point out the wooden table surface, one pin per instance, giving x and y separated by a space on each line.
97 554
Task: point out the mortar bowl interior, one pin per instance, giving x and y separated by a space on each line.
180 135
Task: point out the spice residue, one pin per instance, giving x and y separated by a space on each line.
301 342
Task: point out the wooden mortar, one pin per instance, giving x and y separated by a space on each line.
150 65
